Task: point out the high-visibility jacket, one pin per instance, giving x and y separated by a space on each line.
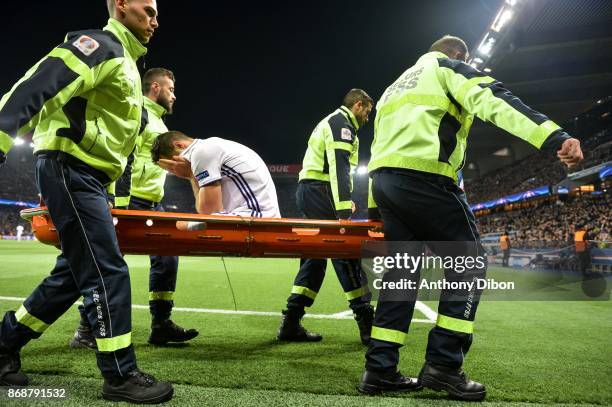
332 155
579 241
84 98
424 117
504 242
144 179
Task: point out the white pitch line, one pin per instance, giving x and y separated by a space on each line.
340 315
431 315
421 306
343 313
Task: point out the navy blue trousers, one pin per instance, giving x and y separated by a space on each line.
418 207
90 266
162 275
315 201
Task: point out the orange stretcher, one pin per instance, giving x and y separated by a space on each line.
147 232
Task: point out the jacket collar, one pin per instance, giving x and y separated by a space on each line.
156 108
349 115
434 54
125 36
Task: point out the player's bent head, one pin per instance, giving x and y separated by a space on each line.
453 47
139 16
169 144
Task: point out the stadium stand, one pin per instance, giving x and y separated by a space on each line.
552 221
9 219
537 170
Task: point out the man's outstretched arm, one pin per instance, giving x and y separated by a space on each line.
487 98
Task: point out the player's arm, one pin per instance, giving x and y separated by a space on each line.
338 147
208 198
488 99
65 73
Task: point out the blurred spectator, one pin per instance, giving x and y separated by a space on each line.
536 171
553 222
10 219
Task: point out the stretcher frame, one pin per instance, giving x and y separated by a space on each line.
155 233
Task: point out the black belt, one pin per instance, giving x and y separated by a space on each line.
441 180
313 182
145 202
74 162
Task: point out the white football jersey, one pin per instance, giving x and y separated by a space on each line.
246 183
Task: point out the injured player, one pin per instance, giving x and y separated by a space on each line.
227 178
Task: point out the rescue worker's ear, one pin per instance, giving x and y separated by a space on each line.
121 6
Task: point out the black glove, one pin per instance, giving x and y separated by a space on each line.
344 214
2 158
374 214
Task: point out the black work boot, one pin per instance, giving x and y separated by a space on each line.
378 382
453 381
365 317
291 328
137 387
166 331
84 337
10 370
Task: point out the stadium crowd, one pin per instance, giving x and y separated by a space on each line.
10 219
553 221
536 171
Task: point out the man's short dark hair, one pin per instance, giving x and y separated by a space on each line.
356 95
449 45
163 146
154 75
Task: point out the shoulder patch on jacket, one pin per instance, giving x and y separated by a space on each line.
342 129
86 45
93 47
346 134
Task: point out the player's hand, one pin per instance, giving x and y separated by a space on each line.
2 159
353 207
570 153
178 166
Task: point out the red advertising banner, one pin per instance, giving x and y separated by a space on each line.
284 168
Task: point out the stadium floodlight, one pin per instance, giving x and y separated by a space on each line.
486 46
19 141
31 145
504 15
511 2
362 170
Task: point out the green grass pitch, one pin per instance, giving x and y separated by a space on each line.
525 352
